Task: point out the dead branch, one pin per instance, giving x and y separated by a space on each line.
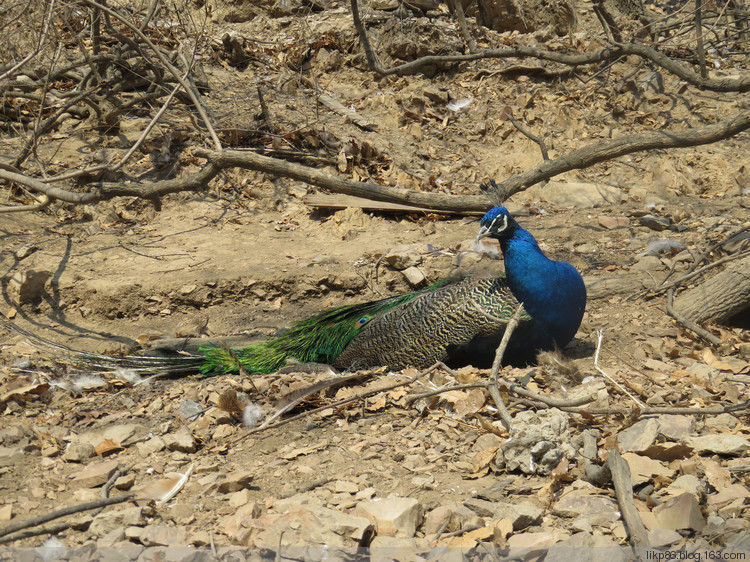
607 54
71 510
252 161
624 492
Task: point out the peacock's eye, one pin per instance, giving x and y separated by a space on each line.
362 321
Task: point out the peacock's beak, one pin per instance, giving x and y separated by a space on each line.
484 232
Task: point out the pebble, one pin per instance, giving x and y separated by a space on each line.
79 451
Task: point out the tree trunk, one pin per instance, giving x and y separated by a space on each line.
719 298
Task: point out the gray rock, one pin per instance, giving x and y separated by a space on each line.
639 436
524 514
538 442
79 451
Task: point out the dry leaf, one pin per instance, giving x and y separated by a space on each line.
108 446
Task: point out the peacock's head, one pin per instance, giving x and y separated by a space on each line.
497 223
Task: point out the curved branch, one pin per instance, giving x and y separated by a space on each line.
253 161
613 148
110 190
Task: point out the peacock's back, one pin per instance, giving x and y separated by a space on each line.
467 317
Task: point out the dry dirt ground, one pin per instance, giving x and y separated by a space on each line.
252 256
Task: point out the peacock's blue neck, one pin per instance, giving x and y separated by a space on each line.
552 292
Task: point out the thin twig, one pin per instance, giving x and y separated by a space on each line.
78 508
499 354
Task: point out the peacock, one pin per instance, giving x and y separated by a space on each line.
458 321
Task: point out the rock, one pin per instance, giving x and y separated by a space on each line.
163 535
126 434
306 525
685 483
540 539
595 510
538 442
587 248
111 538
483 508
190 409
522 515
613 222
10 456
235 525
587 547
181 440
394 517
239 498
722 421
96 474
682 512
722 444
107 521
676 428
79 451
662 538
655 223
639 436
235 481
6 512
413 276
406 255
643 469
343 486
727 495
153 445
449 518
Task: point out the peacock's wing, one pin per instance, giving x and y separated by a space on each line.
460 319
319 339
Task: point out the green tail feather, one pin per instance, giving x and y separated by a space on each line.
319 339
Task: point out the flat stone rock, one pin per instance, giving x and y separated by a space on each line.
308 526
522 515
596 510
163 535
676 428
723 444
681 512
660 538
153 445
235 481
125 434
539 539
639 436
95 474
643 469
107 521
10 456
586 547
393 517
